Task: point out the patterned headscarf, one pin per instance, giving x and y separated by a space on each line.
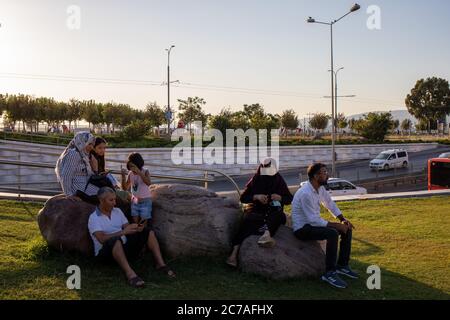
79 142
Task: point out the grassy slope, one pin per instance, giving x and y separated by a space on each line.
407 238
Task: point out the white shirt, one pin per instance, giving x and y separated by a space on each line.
100 222
306 207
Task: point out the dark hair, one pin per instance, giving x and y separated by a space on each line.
136 159
314 169
99 140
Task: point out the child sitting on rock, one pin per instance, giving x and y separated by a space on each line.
138 179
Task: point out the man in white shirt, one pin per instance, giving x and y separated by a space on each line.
309 225
116 240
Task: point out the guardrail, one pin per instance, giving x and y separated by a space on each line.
35 138
205 178
411 179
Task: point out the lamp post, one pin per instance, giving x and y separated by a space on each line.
354 8
169 112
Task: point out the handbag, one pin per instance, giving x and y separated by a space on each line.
100 181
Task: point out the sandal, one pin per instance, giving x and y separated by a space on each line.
231 263
167 271
136 282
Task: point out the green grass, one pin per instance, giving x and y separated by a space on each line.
407 238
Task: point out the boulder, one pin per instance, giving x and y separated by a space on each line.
63 223
290 258
188 220
192 221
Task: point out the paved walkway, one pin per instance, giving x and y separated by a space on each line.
233 194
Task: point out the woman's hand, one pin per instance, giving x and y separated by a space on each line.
134 168
94 164
124 171
261 198
275 197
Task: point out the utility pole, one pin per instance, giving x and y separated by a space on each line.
169 112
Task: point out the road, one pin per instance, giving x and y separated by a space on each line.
354 171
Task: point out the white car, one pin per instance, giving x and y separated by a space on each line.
341 187
396 158
444 155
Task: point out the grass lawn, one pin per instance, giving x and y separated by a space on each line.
407 238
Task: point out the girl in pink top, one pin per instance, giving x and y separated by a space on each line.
138 180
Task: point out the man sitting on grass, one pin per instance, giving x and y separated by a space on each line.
309 225
117 240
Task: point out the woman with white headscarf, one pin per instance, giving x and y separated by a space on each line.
265 195
73 168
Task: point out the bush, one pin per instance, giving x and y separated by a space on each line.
135 130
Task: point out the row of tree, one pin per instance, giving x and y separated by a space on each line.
32 111
429 102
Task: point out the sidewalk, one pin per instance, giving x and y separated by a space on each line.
233 195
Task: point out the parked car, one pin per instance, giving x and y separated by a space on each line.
395 158
444 155
341 187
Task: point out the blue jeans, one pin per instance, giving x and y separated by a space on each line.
142 209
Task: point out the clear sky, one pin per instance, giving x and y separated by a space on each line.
246 44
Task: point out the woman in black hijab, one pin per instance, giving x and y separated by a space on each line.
265 195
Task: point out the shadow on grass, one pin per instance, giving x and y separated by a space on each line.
42 275
368 248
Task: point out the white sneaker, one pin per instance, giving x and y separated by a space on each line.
266 240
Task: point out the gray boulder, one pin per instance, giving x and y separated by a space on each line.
188 220
290 258
193 221
63 224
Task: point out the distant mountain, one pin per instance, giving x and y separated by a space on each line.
399 115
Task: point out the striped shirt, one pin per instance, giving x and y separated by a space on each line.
74 175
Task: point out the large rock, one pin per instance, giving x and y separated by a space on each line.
190 220
290 258
63 223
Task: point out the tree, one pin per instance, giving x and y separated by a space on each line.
154 114
342 122
422 125
395 124
289 120
374 126
319 121
191 110
222 121
135 130
92 112
73 112
406 125
429 100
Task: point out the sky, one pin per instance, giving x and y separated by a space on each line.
230 53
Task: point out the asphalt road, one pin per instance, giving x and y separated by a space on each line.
354 171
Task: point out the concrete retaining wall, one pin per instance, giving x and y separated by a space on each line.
290 157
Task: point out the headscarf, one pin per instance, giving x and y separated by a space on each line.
79 143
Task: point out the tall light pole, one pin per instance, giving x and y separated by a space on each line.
169 112
354 8
336 96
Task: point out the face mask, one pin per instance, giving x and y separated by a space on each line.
275 203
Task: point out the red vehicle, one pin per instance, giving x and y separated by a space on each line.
438 173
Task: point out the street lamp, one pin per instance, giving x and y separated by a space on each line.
169 112
354 8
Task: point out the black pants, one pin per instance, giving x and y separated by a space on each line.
253 222
134 245
309 232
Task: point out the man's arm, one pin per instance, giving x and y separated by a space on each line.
329 204
313 217
128 229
